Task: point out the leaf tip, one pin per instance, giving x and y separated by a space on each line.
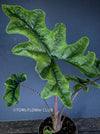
9 104
86 39
4 6
42 95
4 99
16 50
69 105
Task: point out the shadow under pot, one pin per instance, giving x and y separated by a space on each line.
68 126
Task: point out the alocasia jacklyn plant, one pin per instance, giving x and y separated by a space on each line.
46 47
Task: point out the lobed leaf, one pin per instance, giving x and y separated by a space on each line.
45 46
12 89
74 55
57 85
39 47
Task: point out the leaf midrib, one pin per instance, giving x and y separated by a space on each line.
34 32
57 83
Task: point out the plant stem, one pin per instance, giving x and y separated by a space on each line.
39 95
57 116
76 93
55 105
62 109
85 86
68 108
30 89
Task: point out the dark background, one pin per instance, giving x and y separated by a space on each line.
82 18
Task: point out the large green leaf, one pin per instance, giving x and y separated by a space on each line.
51 44
12 89
57 85
74 54
44 46
41 42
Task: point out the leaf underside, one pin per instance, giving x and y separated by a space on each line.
45 46
12 89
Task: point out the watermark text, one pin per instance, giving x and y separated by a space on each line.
32 109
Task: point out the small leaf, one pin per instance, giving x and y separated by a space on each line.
81 82
77 86
12 89
74 78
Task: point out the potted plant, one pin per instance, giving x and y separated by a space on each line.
46 47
